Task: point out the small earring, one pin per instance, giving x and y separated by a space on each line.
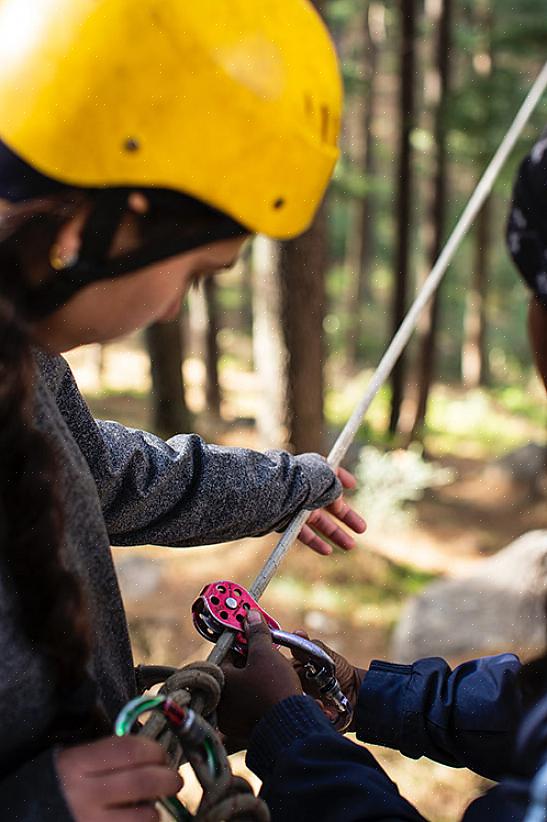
60 261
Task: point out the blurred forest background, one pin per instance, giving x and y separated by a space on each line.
277 351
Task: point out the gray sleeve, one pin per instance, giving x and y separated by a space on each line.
186 492
32 793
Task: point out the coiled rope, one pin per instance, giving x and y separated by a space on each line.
225 797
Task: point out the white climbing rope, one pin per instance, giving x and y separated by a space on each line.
401 338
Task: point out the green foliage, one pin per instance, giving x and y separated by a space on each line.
484 424
368 589
389 482
497 51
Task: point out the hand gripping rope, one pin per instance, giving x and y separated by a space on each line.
178 722
224 605
158 725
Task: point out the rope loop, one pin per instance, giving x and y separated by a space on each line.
203 680
239 802
225 797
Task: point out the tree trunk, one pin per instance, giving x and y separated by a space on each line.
404 195
427 332
170 414
289 300
374 38
268 344
361 247
474 358
212 384
302 265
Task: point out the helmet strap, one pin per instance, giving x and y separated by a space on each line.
93 264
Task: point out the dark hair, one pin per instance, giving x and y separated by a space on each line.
48 596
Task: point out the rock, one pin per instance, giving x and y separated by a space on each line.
525 467
500 607
138 576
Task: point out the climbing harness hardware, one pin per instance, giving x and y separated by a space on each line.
183 724
181 686
182 719
224 605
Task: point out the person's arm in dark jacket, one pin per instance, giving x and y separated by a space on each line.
466 717
310 772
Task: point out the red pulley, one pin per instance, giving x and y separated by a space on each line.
222 605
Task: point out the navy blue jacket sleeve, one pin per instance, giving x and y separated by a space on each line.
310 772
466 717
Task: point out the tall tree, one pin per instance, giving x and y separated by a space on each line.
360 250
212 383
439 13
302 268
289 309
408 18
170 414
374 37
269 351
474 355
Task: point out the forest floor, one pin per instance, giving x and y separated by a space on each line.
350 601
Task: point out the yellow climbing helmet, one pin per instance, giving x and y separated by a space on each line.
236 103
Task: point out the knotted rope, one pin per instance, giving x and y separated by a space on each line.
225 797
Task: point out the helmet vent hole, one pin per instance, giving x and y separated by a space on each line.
131 145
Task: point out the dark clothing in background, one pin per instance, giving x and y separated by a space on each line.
466 717
527 222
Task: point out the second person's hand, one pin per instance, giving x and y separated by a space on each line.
322 524
249 692
350 678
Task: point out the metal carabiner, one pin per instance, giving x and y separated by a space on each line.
180 720
224 605
321 669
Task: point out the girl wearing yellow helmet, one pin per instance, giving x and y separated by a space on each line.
140 144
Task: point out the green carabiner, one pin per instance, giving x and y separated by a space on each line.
122 727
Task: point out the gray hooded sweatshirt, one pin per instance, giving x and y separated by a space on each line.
125 487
